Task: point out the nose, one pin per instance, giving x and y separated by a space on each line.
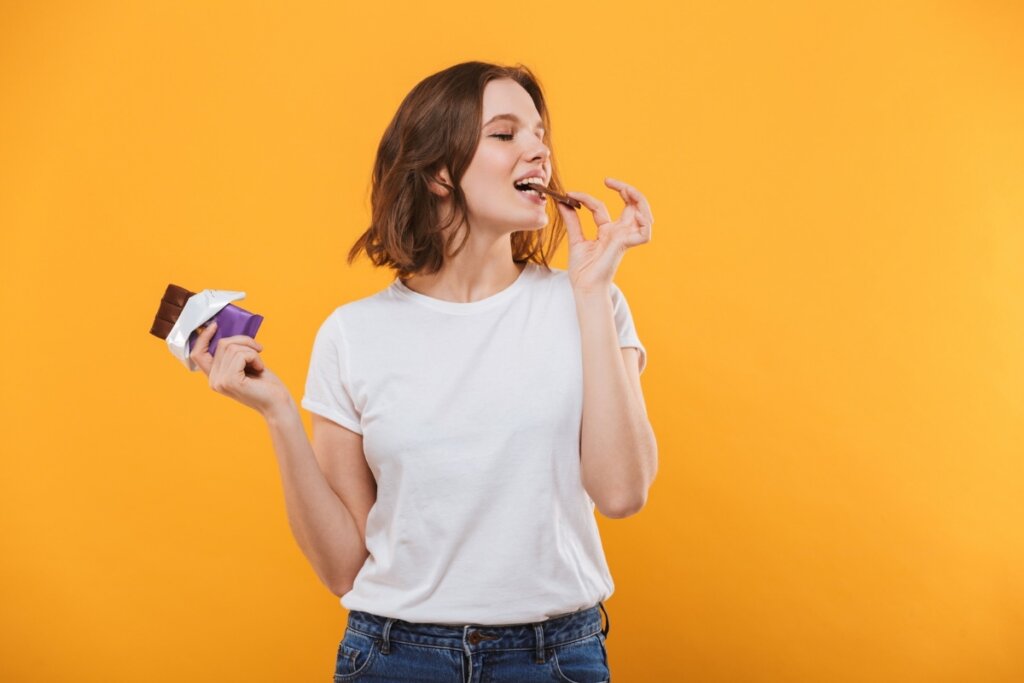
538 150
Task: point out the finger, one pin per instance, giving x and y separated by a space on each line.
242 339
245 358
200 353
596 207
645 208
631 194
257 363
230 365
621 187
641 236
572 223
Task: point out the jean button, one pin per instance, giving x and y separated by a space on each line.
474 638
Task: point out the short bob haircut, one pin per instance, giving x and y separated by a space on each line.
439 125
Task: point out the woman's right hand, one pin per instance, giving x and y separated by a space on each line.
238 371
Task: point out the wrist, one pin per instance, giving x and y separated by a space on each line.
589 296
281 410
591 292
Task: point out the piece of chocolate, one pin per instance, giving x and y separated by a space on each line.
170 308
231 320
558 196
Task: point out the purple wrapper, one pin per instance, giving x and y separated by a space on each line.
231 320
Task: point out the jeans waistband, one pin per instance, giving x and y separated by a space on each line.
471 638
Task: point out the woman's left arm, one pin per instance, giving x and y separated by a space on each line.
618 450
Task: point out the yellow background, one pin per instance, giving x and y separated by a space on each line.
831 302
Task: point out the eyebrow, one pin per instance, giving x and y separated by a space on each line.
512 117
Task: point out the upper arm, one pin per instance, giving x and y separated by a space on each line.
631 359
339 453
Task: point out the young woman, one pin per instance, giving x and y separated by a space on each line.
468 418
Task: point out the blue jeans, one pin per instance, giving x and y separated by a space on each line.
568 648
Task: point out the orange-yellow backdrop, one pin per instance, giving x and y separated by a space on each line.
831 302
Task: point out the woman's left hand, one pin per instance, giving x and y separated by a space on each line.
592 263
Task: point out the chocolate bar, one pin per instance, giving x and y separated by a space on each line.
231 319
558 196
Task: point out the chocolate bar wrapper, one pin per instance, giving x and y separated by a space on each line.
231 320
205 306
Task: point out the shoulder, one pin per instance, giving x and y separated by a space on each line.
549 276
367 308
365 321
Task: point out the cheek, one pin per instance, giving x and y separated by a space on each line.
492 163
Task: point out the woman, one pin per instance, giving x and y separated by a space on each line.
468 418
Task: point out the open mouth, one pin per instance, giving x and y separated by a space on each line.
531 188
538 192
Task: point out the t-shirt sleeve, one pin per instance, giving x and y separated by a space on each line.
625 326
328 387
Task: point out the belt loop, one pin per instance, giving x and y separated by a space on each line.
385 647
607 621
539 630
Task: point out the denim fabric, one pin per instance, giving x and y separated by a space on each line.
569 648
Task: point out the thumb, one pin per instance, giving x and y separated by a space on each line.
202 344
572 223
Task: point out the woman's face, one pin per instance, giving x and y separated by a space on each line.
509 149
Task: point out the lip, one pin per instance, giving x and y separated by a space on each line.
533 174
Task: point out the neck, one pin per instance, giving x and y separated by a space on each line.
465 279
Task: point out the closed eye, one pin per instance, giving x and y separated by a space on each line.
503 136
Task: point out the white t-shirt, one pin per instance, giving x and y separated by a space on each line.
470 415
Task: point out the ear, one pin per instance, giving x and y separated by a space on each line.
437 188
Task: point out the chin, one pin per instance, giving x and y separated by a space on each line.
526 227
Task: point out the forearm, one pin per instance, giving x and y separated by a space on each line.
618 451
324 528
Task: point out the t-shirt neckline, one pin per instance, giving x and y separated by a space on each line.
463 308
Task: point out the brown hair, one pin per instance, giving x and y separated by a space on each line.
438 124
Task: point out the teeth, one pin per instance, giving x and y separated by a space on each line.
531 181
523 185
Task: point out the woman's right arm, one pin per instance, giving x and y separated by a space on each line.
325 529
328 521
